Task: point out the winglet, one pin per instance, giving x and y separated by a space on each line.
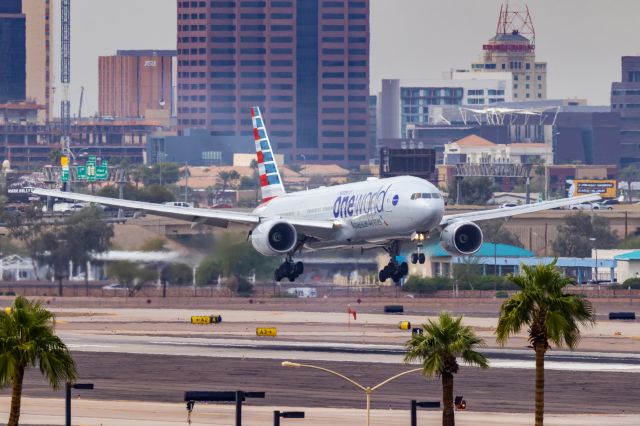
270 180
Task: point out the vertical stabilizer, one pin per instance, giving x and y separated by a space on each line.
270 180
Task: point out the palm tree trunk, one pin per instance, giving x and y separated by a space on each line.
447 400
16 395
539 347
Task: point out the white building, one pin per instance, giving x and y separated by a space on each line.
474 149
403 102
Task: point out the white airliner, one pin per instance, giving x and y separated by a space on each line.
379 213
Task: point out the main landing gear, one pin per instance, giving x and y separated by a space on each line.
289 269
418 257
394 270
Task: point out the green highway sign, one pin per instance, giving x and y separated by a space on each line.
91 159
104 163
102 173
64 177
91 172
81 172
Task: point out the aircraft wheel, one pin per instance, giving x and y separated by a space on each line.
403 270
299 268
382 275
421 258
414 258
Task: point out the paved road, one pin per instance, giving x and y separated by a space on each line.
119 413
164 378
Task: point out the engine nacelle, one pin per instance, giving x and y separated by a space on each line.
274 238
461 238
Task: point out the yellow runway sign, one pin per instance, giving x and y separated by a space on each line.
266 331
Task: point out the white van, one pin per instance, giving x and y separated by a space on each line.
178 204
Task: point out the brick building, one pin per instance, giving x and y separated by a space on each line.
136 83
304 62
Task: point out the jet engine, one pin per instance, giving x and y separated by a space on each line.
461 238
274 237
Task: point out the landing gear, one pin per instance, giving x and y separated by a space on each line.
289 269
418 257
394 270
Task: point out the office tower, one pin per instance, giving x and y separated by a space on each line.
12 52
625 99
136 83
304 62
39 27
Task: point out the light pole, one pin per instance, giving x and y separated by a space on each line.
595 247
366 389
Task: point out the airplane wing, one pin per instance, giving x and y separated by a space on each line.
512 211
221 218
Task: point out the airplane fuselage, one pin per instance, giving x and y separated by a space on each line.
372 212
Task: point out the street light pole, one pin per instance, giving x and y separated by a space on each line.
593 240
366 389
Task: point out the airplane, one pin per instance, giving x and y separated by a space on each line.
373 214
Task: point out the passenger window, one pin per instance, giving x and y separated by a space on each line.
426 195
436 195
415 196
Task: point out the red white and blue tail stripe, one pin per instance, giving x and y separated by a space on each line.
270 180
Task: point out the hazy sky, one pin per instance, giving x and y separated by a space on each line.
582 40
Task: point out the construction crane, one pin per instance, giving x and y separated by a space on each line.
65 78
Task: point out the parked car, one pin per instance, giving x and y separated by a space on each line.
116 288
178 204
508 205
608 204
587 205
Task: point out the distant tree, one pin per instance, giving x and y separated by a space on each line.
629 174
151 193
54 250
75 240
26 227
131 275
247 182
494 231
473 190
87 233
466 271
227 177
27 338
178 273
574 236
208 271
153 244
160 174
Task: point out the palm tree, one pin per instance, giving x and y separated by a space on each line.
551 315
438 347
26 337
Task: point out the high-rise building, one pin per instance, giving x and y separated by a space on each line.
511 51
625 99
304 62
12 52
136 83
39 84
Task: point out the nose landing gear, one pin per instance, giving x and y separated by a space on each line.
419 257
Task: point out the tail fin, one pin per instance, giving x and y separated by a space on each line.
270 180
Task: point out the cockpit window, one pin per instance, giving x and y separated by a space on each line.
419 195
